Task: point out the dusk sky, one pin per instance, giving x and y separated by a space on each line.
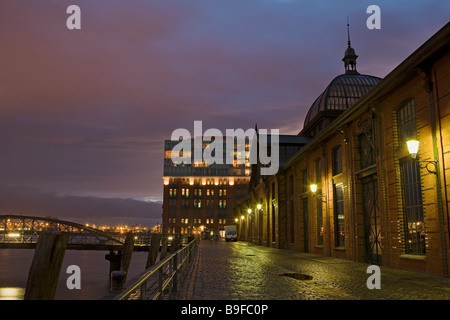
84 113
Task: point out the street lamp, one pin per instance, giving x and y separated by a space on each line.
413 148
259 206
249 211
313 188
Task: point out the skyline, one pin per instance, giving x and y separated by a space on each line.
84 113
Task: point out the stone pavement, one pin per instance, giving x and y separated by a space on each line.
242 271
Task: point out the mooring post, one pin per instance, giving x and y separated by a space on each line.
163 247
153 251
127 252
174 245
46 266
114 259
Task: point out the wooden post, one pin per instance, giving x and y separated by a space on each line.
154 248
46 266
127 252
115 259
163 247
174 245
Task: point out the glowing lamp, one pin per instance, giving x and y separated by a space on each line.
313 188
259 206
249 211
413 147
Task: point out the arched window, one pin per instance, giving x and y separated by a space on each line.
413 216
337 160
406 122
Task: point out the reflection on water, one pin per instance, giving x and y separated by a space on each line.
11 293
15 264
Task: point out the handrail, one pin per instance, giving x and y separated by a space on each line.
169 269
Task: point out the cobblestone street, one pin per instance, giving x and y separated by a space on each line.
238 270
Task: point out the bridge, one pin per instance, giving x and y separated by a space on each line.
22 232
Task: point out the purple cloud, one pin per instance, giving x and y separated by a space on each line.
86 112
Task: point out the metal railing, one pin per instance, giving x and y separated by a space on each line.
162 280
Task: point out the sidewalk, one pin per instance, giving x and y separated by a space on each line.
241 271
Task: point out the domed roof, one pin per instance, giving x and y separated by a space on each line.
342 92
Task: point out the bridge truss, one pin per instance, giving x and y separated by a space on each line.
17 231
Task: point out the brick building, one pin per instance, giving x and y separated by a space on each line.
373 202
199 198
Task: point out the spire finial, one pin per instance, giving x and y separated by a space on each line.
348 33
350 55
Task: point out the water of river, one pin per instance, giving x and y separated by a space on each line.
15 264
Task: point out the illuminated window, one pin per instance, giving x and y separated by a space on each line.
406 121
412 208
305 180
339 227
318 171
319 229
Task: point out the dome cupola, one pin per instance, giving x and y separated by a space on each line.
342 92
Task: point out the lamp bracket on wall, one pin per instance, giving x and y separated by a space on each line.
422 164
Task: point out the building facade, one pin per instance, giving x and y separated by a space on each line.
355 190
198 197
